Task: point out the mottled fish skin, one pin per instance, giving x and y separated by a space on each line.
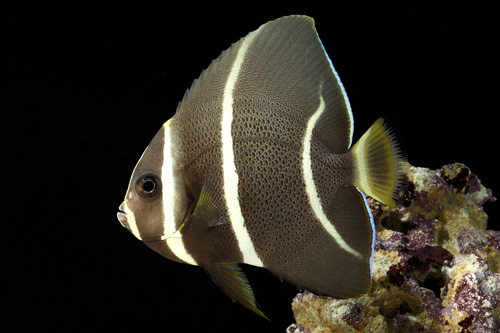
255 167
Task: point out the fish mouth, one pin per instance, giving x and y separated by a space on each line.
122 217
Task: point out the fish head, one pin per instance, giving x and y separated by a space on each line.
156 203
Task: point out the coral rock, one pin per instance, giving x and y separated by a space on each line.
435 268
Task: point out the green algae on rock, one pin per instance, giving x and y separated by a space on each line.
435 266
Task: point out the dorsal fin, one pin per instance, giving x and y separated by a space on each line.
285 70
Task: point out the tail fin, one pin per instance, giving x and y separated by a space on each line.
380 166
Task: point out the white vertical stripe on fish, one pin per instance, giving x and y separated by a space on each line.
228 165
171 235
312 193
176 245
168 191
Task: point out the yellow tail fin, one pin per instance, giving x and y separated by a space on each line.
380 166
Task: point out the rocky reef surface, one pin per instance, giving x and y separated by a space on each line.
435 269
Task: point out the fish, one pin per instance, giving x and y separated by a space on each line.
257 167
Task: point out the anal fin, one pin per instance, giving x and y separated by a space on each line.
231 279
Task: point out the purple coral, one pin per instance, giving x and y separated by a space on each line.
422 235
493 239
472 241
353 316
394 243
429 301
466 295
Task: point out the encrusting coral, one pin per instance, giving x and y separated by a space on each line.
436 268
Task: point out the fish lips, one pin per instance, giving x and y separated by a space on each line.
122 217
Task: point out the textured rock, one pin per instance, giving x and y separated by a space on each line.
435 267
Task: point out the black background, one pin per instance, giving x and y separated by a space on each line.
84 90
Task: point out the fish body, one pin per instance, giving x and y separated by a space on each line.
257 166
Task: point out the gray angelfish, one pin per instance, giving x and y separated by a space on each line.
256 167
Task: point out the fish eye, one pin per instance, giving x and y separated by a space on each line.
148 186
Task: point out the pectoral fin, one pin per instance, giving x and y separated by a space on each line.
210 205
231 279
